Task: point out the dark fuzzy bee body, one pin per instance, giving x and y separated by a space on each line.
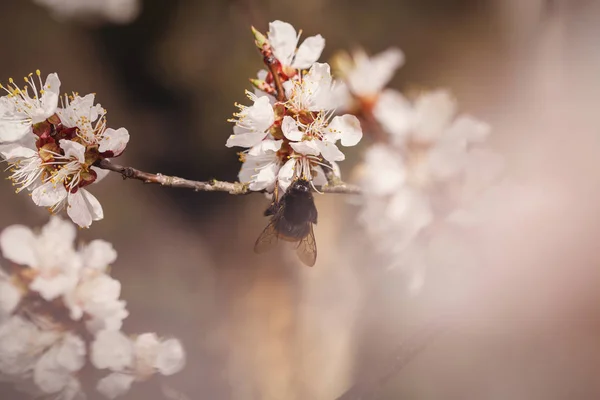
292 219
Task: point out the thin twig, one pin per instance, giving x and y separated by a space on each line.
199 186
271 63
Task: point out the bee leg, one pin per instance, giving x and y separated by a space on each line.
274 201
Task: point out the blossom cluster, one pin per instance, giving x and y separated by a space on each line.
290 130
59 309
51 148
426 161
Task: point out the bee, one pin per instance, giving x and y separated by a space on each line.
292 219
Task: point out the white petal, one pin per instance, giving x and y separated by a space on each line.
146 348
385 172
52 287
49 194
93 205
60 233
347 128
16 150
286 174
49 99
114 141
290 129
100 173
112 350
71 353
48 375
306 147
395 114
10 296
265 147
433 113
73 149
330 151
12 129
260 115
115 385
265 177
84 208
319 178
171 357
98 255
466 129
17 243
246 139
283 39
370 75
309 52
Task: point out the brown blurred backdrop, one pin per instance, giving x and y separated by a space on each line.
525 318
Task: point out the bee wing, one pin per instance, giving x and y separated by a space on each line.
307 248
267 239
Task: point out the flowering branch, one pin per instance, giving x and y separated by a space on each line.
236 188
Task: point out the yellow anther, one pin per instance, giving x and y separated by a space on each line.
10 80
37 72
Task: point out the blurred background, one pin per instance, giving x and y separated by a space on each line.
521 321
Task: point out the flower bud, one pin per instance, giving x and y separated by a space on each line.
260 39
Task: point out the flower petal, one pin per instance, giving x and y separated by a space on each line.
17 243
115 385
394 113
48 375
246 139
12 129
171 357
283 39
48 194
306 147
112 350
98 255
433 113
114 141
16 150
73 149
309 52
49 99
265 147
347 128
290 129
100 173
286 174
84 208
330 151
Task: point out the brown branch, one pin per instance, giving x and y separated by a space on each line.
272 63
199 186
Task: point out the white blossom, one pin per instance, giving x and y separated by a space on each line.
50 254
252 123
116 11
21 345
367 76
112 350
10 296
261 166
97 297
284 40
20 109
417 178
115 385
134 359
54 370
